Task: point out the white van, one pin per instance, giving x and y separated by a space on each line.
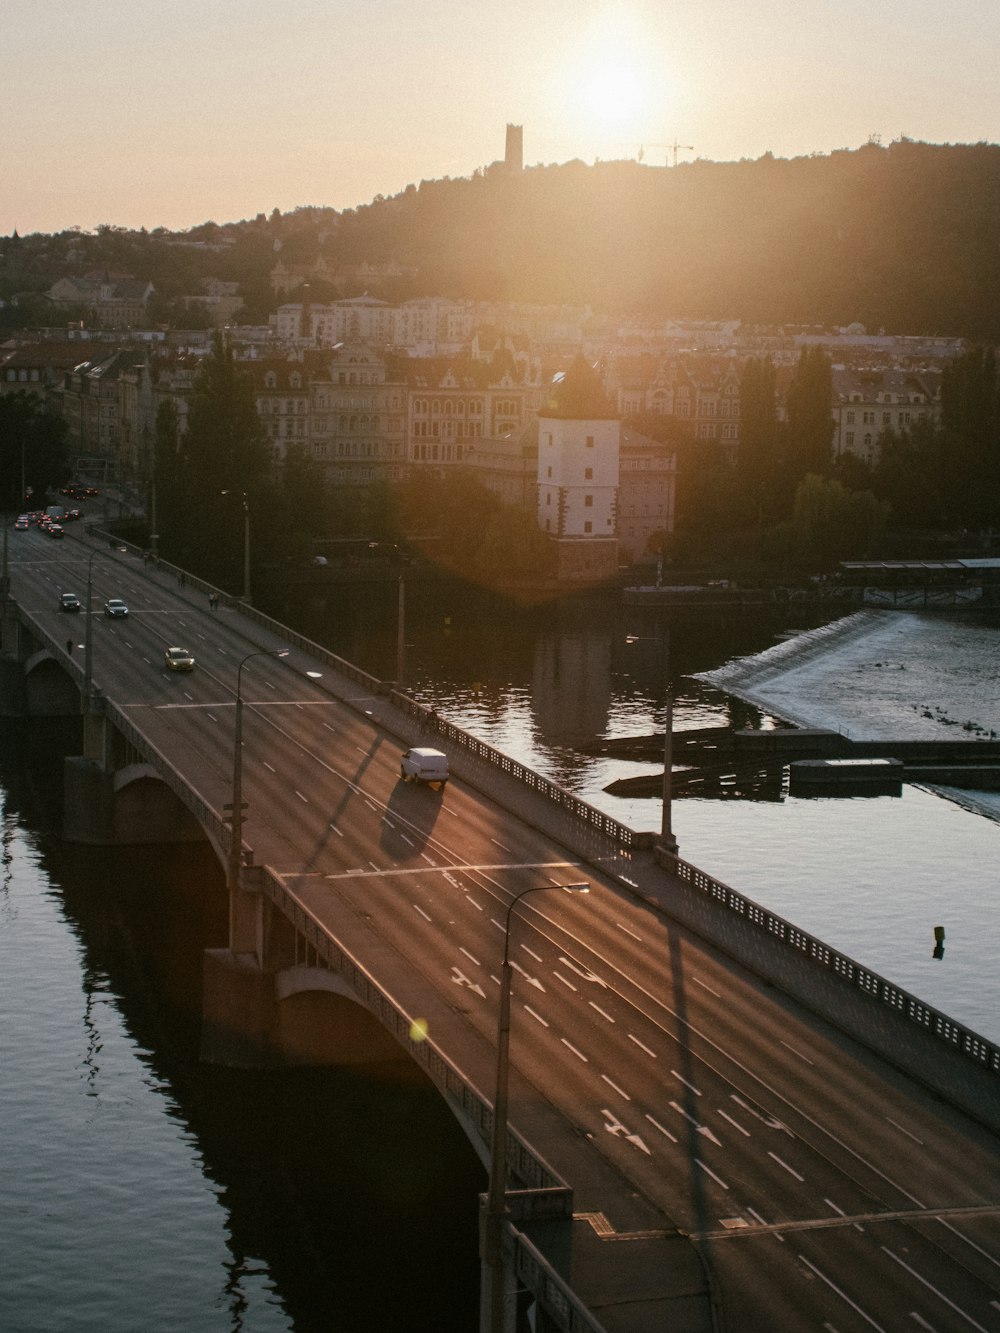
423 765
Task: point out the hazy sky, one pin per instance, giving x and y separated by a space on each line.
146 113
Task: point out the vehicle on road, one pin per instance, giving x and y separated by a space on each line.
22 524
115 608
69 601
178 659
422 764
55 530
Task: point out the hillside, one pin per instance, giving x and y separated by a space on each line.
903 237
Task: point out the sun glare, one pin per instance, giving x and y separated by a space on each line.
615 81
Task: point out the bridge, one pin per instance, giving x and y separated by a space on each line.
713 1120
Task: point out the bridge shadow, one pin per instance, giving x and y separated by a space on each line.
352 792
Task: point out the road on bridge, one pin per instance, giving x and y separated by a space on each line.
824 1190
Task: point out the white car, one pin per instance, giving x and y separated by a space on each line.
422 764
116 608
178 659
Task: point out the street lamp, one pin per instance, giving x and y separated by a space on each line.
667 840
246 541
236 843
496 1201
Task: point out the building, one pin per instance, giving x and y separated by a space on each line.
579 439
109 301
867 403
513 158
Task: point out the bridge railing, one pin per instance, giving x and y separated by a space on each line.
955 1035
595 819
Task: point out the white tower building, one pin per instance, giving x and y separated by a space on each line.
579 438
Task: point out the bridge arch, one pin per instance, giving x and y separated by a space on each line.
50 690
320 1020
145 809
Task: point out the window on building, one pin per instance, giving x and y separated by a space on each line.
590 441
588 474
588 527
850 418
588 502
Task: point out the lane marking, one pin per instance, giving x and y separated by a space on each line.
559 977
840 1212
625 931
717 1179
687 1082
698 982
599 1009
903 1130
301 797
656 1125
642 1047
418 908
795 1052
528 1010
842 1294
791 1171
621 1092
735 1123
470 957
940 1294
570 1047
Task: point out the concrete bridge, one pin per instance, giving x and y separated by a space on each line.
679 1054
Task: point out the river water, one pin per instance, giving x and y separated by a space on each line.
144 1191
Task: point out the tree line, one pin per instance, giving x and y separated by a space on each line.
899 237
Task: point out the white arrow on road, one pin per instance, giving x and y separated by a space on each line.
615 1127
701 1129
532 981
582 972
460 979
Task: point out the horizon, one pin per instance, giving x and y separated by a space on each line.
236 107
290 211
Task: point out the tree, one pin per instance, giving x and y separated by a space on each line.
33 449
970 418
222 450
832 523
809 410
758 460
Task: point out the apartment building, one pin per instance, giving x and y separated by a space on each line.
867 403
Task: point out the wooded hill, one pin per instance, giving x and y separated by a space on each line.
904 238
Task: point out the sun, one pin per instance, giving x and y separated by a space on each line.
615 75
612 92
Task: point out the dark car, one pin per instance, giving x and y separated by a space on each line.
116 608
69 602
55 530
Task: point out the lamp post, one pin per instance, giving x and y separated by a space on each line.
496 1203
236 842
668 841
246 541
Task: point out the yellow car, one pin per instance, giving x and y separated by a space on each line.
178 659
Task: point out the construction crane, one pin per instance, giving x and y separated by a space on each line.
674 147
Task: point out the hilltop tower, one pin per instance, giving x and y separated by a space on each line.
514 154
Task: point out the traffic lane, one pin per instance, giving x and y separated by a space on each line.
815 1071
